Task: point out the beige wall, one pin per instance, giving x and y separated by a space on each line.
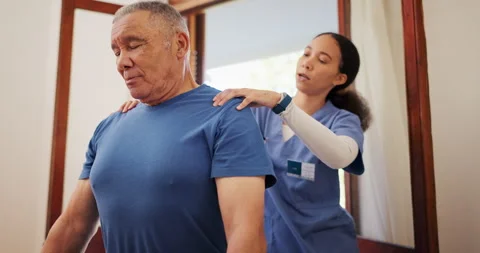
27 69
453 47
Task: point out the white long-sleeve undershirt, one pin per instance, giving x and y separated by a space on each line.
336 151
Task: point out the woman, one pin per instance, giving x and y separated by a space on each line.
308 138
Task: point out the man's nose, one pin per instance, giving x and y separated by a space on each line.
124 62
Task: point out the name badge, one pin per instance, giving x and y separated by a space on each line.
301 170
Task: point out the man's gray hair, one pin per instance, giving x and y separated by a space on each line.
169 16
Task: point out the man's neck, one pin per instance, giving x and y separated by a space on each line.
186 85
178 87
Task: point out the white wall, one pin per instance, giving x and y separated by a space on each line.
453 40
28 71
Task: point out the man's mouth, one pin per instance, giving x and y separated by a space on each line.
131 80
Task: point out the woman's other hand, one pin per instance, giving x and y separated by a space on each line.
252 97
127 106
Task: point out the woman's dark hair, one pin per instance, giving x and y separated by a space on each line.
349 64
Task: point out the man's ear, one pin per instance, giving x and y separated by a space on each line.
340 79
183 44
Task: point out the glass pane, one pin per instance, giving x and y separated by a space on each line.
386 212
240 31
272 73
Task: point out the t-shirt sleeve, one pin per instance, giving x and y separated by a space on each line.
89 159
239 149
92 151
259 115
348 124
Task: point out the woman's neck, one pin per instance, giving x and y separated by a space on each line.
308 103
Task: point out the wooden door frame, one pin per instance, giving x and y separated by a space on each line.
421 151
420 136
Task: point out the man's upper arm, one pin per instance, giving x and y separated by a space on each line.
92 148
239 150
242 170
241 202
82 208
75 227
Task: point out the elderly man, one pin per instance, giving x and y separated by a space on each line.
175 174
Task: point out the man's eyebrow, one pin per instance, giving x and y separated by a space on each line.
133 38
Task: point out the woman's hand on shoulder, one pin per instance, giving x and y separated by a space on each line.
252 97
128 105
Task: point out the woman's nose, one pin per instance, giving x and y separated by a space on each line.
307 64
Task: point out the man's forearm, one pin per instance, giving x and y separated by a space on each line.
247 242
65 237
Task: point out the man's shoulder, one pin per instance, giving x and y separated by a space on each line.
106 123
205 90
207 93
229 111
203 97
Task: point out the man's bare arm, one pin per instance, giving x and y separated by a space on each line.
75 227
242 205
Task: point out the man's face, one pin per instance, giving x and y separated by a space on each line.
146 61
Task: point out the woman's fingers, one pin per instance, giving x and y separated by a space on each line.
252 97
244 103
132 104
222 97
122 107
128 105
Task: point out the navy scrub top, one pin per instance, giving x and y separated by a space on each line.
302 215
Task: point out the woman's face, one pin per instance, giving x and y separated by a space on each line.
318 67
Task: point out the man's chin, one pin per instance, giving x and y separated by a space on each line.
137 94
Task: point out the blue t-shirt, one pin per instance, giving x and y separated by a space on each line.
304 215
152 172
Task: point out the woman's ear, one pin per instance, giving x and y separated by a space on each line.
340 79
